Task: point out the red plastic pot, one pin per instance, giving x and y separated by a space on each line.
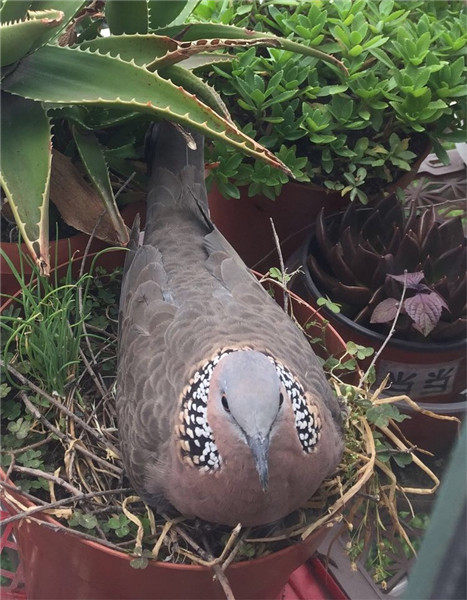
60 565
60 251
245 222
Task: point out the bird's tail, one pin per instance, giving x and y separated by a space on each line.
176 171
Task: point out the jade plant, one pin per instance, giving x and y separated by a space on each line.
65 86
354 133
387 264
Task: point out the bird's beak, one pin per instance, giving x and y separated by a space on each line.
259 447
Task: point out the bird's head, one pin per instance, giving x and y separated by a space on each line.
247 395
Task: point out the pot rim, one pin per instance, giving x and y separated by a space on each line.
436 407
170 565
429 347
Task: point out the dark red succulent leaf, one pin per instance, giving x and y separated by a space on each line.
427 268
385 311
392 288
425 222
425 309
385 266
408 254
447 332
354 295
394 242
450 263
456 296
339 266
363 317
374 229
452 233
431 243
394 215
349 246
325 281
322 237
378 296
411 219
350 218
365 263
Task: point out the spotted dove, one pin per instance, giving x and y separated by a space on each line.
224 410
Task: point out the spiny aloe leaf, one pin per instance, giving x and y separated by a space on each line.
143 49
197 31
164 12
17 39
81 77
93 159
159 51
69 8
187 49
193 84
13 10
198 61
25 160
127 16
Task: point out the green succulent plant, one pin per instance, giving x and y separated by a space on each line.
384 263
356 132
65 86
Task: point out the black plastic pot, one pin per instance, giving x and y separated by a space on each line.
432 374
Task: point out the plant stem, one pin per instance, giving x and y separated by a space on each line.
364 377
51 505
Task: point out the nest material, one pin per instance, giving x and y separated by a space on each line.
84 474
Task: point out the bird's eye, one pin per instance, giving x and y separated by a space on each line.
225 404
281 399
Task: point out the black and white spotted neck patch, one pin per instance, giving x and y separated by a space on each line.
307 419
196 438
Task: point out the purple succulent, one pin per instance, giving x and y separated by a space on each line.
362 258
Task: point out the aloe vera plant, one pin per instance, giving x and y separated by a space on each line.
58 72
385 262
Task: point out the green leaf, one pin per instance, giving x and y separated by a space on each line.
381 415
142 49
17 39
88 521
196 31
193 84
13 10
80 77
70 8
165 12
92 156
26 148
403 459
140 562
127 16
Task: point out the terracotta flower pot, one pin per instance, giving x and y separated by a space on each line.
61 565
60 251
245 222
